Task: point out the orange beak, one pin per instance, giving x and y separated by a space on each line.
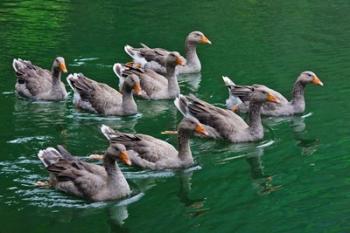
124 157
137 89
272 98
205 40
180 61
317 81
63 67
201 130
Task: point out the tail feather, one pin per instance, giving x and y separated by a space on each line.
107 131
144 45
135 55
182 105
14 65
49 156
70 79
228 81
65 154
81 83
129 50
118 70
19 64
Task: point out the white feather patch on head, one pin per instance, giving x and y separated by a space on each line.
228 81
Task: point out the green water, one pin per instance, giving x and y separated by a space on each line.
296 180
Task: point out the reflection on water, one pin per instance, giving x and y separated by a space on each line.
262 183
84 61
195 206
308 145
193 80
42 114
299 129
157 108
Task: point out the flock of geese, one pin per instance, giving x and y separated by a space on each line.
153 76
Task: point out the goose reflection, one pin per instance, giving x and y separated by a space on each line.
151 109
196 206
262 183
42 114
308 145
297 123
193 81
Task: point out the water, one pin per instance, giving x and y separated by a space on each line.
295 180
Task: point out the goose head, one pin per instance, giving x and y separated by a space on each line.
60 64
262 96
197 37
190 125
307 77
132 82
174 59
119 151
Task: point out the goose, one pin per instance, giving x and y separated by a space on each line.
226 124
151 153
145 55
154 85
102 99
38 84
87 180
284 108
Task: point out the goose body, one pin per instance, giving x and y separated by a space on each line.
36 83
86 180
225 124
155 86
147 56
151 153
284 108
102 99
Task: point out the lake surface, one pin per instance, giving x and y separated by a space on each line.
295 180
